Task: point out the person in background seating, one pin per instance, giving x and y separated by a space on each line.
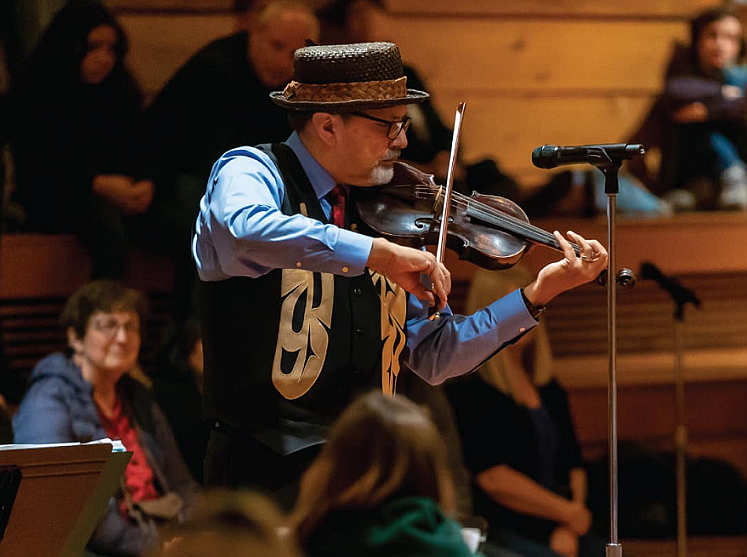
698 123
178 390
87 395
234 524
529 479
216 101
381 486
76 137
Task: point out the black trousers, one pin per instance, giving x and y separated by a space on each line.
235 460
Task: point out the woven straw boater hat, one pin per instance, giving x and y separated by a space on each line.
347 76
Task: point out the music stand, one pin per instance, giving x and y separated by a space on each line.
52 497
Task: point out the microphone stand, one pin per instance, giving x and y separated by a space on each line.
608 159
610 168
680 296
611 188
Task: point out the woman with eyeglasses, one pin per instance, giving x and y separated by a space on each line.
88 394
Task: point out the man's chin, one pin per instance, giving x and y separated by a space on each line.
382 174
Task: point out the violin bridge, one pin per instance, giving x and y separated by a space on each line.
438 201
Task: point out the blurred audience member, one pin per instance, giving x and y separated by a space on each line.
581 193
699 121
529 480
178 390
234 524
88 395
380 486
216 101
75 135
429 139
433 399
219 98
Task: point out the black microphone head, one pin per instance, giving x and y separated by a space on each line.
543 157
635 150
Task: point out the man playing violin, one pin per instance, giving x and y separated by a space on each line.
299 310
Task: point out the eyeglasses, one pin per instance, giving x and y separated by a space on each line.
109 326
395 128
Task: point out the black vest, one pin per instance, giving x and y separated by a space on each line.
294 346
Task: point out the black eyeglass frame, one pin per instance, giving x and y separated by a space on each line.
395 128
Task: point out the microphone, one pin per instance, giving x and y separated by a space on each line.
550 156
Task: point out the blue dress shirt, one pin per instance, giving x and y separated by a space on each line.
241 231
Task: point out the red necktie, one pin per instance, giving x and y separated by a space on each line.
337 198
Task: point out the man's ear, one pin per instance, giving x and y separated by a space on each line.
74 341
327 126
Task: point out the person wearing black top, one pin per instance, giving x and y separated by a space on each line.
178 391
216 101
75 137
529 481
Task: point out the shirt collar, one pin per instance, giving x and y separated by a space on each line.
320 179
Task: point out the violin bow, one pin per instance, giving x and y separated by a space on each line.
447 190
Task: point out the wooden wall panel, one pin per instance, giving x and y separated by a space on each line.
692 243
496 56
509 128
544 8
646 414
160 43
531 81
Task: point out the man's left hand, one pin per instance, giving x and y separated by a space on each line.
571 271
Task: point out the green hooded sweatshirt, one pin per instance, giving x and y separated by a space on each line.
406 527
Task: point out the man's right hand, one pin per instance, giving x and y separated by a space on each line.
404 266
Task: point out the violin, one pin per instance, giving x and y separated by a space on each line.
490 231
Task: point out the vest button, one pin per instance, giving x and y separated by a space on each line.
357 291
358 332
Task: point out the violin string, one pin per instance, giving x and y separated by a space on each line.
489 214
513 224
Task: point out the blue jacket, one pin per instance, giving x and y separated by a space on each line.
59 408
